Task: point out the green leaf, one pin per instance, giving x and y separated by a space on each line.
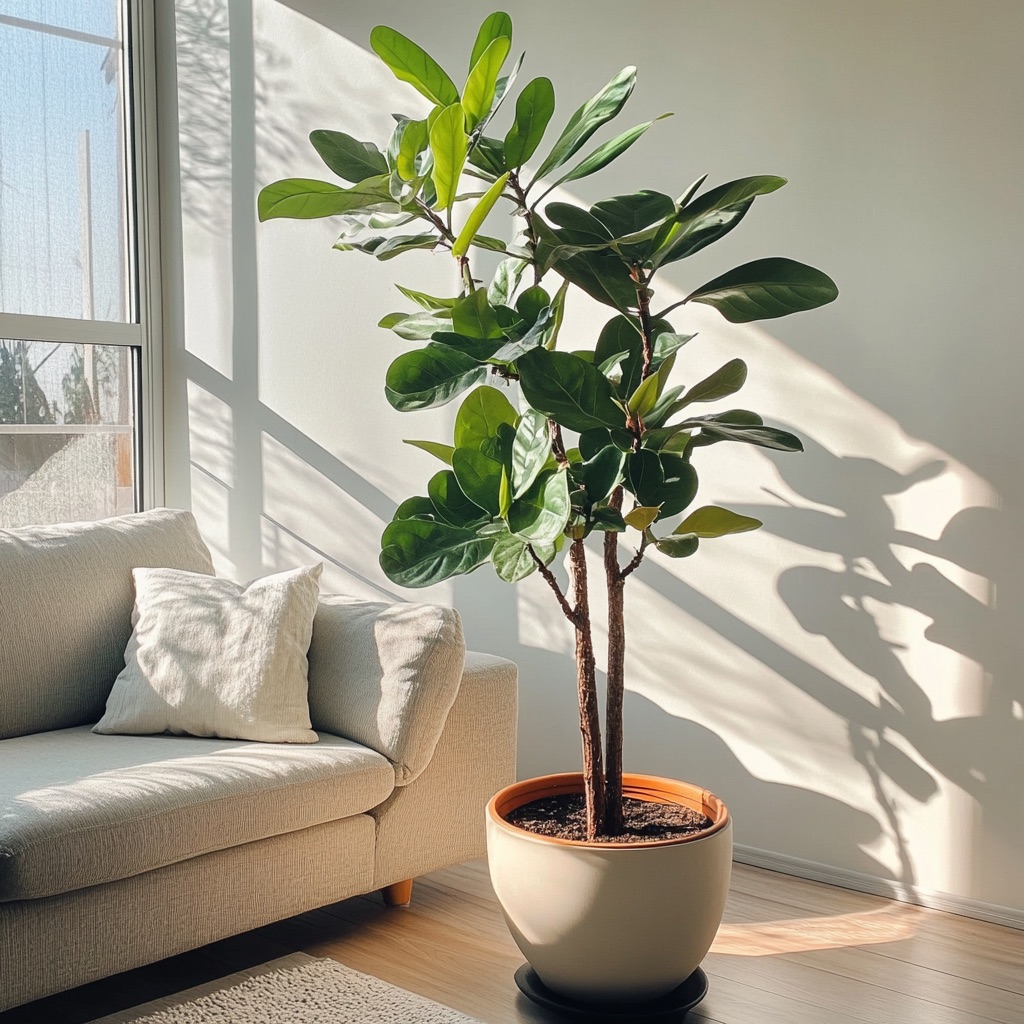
414 326
306 198
607 520
712 431
602 474
411 63
595 440
580 227
627 215
505 281
349 158
450 501
430 376
449 144
726 380
495 26
541 513
715 521
644 399
534 108
532 302
645 477
666 344
476 218
488 155
677 547
680 484
479 92
429 302
474 317
504 494
419 507
417 552
568 390
642 517
622 334
479 477
604 155
480 414
711 216
435 448
511 558
530 451
384 248
766 289
413 140
598 110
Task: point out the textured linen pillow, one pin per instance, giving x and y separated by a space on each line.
208 657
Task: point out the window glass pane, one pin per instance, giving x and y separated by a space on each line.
62 182
66 428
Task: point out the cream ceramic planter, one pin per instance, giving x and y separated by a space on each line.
601 922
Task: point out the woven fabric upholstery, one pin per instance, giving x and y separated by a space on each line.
48 945
439 819
65 610
77 809
385 675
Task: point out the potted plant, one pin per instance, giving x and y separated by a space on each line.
560 441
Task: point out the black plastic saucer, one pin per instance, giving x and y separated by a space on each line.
675 1003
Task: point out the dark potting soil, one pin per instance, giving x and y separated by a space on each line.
565 817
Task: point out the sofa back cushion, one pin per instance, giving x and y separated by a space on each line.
66 601
385 675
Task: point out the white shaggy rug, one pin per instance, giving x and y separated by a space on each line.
296 989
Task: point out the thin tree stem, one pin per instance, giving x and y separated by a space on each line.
615 583
531 233
549 576
636 559
643 299
557 444
586 677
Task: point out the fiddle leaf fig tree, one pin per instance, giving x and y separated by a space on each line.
554 445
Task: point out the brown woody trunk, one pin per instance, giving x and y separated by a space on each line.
586 675
616 680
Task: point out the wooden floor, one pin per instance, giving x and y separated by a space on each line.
790 952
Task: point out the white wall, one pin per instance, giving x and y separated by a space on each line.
848 678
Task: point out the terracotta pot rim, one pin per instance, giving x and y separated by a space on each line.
651 787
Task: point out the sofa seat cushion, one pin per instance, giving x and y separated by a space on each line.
78 809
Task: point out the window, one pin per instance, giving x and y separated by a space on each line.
78 338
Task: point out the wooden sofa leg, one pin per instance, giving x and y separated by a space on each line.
399 894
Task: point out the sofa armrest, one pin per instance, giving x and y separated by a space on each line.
385 675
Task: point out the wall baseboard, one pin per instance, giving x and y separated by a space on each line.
890 889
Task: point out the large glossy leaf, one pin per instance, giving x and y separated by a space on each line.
602 275
712 431
413 140
715 521
541 513
678 547
634 214
603 155
680 484
481 349
579 226
530 451
474 317
307 198
481 412
449 145
495 26
417 507
440 451
430 376
711 216
477 217
537 335
602 474
642 517
479 91
415 326
511 558
595 440
645 477
428 302
568 390
450 501
479 476
505 281
534 108
410 63
349 158
417 552
622 334
489 156
598 110
765 289
388 247
725 381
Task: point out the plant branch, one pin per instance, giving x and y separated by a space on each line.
668 309
615 585
531 234
557 444
635 560
436 221
643 299
570 612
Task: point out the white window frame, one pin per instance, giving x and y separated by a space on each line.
143 238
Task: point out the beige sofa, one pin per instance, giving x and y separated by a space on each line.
116 851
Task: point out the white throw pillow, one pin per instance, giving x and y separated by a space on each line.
208 657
